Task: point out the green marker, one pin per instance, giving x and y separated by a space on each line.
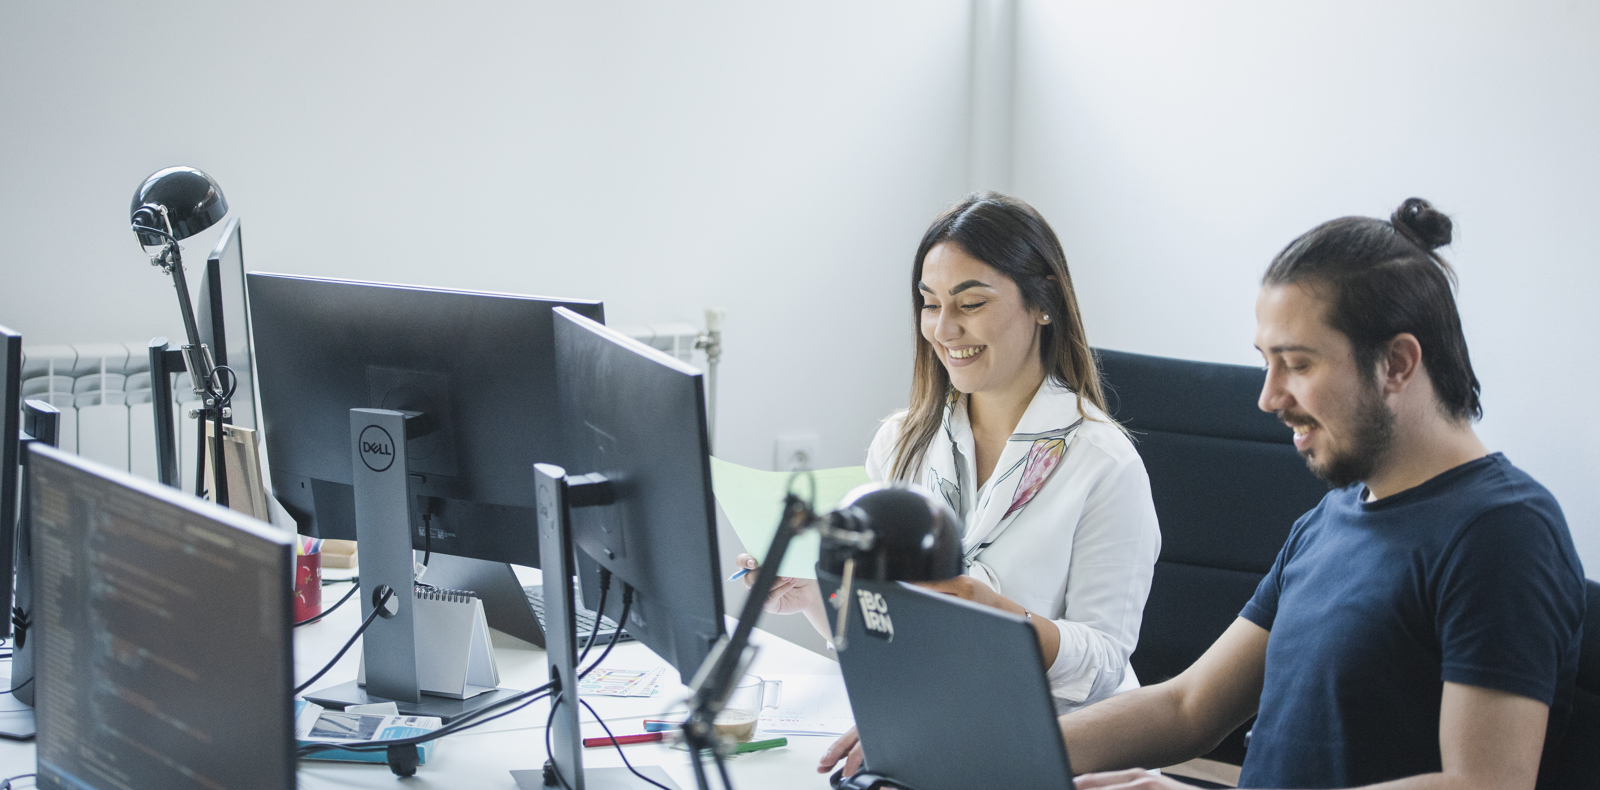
756 746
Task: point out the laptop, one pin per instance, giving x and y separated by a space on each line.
948 694
507 605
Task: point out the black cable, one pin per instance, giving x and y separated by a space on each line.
549 751
157 231
200 454
624 755
427 538
467 721
219 399
616 635
6 785
309 620
594 631
13 691
376 610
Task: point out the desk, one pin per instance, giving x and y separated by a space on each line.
484 757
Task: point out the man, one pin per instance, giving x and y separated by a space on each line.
1420 627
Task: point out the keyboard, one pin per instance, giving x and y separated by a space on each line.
585 620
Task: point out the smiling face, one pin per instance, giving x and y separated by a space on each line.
1342 423
978 323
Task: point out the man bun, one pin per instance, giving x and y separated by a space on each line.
1422 223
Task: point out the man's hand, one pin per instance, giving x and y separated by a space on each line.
1131 779
847 748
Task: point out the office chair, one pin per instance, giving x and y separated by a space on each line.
1227 485
1573 762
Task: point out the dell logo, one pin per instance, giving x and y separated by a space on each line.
377 448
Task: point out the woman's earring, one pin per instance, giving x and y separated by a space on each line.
1047 318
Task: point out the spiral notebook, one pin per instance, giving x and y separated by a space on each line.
454 656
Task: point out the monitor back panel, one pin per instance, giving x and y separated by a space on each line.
163 636
637 416
481 366
948 694
10 424
224 319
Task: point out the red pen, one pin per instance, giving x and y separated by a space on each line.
647 737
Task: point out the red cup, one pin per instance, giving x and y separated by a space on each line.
307 586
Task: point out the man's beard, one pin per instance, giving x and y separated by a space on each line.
1371 432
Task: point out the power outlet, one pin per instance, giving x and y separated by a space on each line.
795 451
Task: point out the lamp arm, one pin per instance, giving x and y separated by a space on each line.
721 671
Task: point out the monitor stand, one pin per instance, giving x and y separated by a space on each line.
383 539
41 422
16 718
555 495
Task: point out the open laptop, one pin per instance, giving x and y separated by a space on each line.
948 694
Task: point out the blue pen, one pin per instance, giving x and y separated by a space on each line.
735 577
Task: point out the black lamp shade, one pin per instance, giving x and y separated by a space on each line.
192 200
917 537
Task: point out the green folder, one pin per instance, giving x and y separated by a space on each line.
752 499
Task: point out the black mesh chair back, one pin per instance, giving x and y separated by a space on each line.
1573 761
1227 485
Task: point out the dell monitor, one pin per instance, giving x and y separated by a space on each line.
479 368
10 424
224 320
163 636
640 506
455 395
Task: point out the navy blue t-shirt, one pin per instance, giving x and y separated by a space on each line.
1468 578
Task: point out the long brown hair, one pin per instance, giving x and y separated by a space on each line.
1008 235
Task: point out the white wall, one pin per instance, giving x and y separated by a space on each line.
781 161
1177 146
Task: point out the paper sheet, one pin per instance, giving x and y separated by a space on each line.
809 705
753 501
620 682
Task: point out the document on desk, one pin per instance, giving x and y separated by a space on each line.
810 705
752 499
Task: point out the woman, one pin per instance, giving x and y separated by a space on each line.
1008 424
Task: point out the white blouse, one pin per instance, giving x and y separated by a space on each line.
1064 526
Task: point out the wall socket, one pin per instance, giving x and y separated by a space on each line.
795 451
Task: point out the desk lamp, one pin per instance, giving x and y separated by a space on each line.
171 205
880 532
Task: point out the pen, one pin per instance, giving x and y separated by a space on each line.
756 746
658 725
647 737
735 577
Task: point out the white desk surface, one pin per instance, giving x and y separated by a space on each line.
484 757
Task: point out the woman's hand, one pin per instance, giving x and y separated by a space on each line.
970 589
789 594
847 748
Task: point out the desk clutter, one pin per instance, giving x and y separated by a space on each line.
394 447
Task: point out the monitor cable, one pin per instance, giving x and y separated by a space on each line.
6 785
624 755
550 770
218 400
18 688
403 756
355 588
402 751
377 608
